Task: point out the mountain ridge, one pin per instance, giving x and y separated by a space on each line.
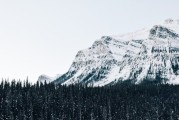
150 53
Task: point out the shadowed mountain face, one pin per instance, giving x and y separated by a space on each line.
150 54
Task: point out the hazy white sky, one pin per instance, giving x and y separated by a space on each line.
43 36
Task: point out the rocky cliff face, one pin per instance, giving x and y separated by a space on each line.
150 54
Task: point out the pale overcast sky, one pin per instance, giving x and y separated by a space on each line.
43 36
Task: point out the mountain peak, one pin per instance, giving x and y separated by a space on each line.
150 54
168 25
168 21
171 21
42 78
171 24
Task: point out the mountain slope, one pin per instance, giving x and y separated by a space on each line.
150 54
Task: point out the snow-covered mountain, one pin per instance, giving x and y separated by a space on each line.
150 54
42 78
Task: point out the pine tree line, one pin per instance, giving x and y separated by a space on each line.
24 101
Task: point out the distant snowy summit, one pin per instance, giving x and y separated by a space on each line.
44 78
148 55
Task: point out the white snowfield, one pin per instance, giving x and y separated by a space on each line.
149 54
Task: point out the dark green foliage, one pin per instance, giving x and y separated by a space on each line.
118 102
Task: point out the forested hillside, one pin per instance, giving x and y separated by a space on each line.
119 102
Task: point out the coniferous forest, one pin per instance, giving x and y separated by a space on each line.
24 101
